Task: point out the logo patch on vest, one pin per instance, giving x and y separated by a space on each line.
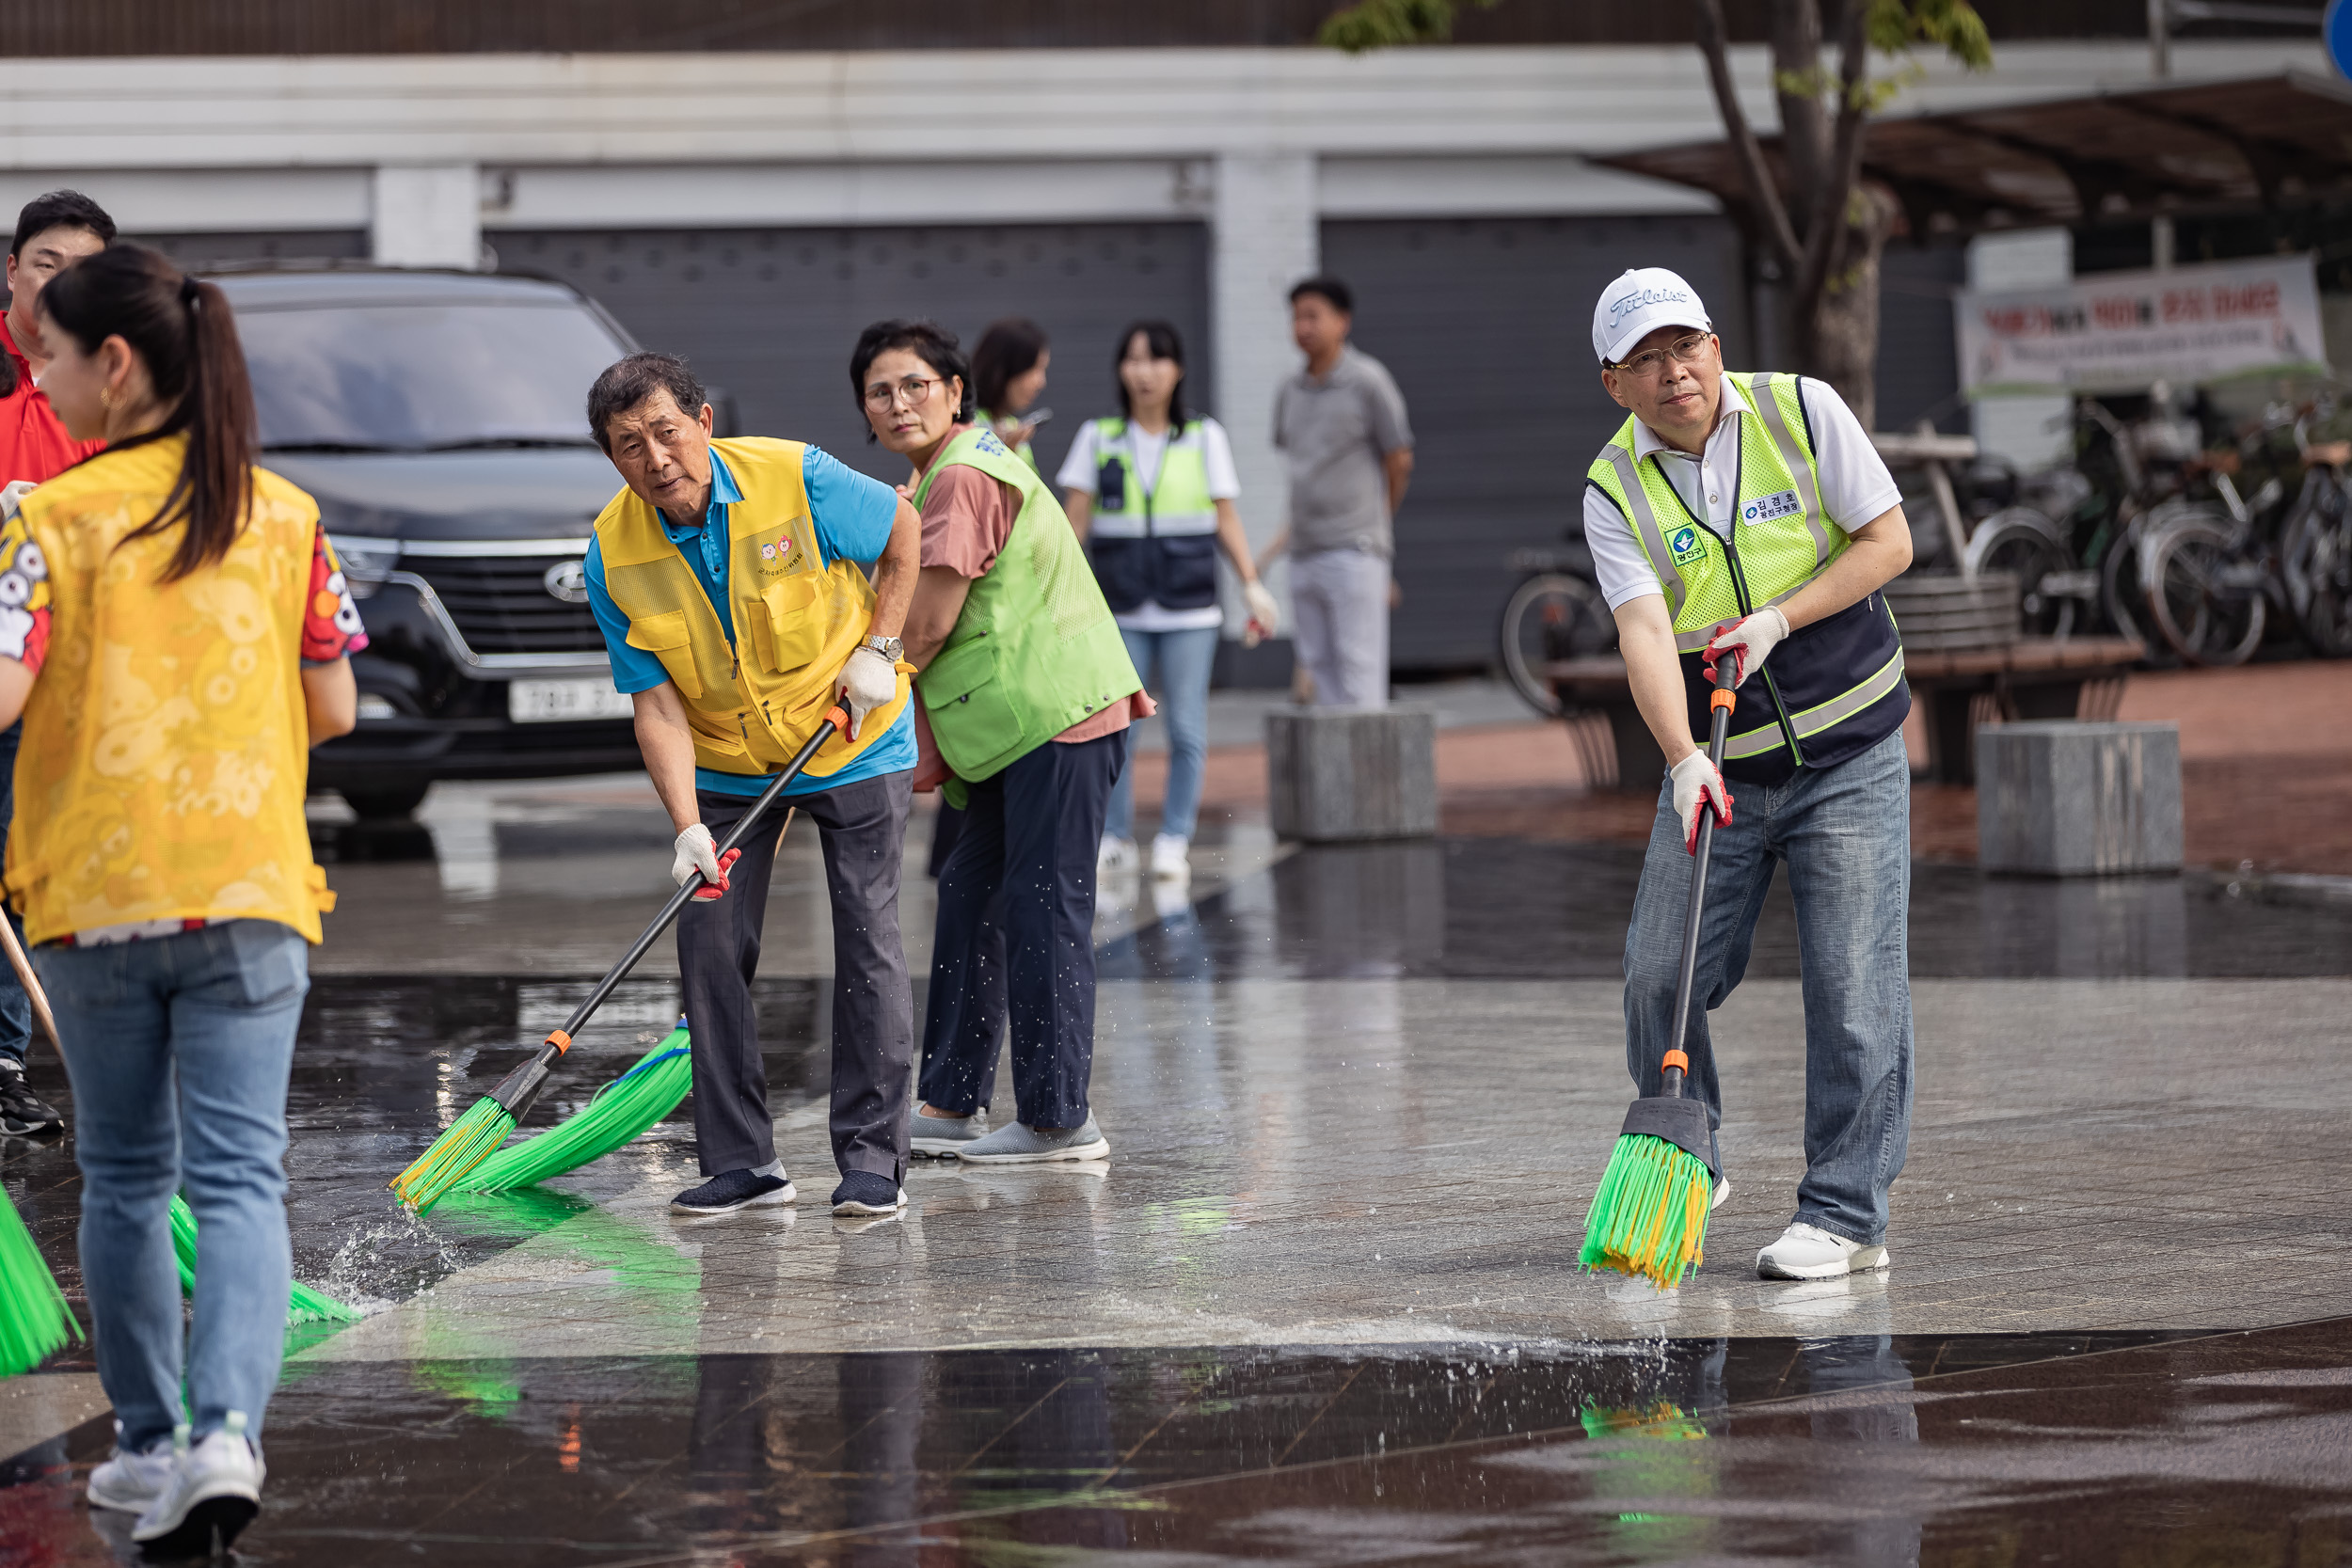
779 555
1781 503
1686 544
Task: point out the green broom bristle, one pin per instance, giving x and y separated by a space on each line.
34 1318
303 1304
470 1140
1649 1216
621 1110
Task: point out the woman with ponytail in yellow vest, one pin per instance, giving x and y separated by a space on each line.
1746 517
174 630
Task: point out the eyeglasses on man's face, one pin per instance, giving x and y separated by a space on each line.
1682 351
881 396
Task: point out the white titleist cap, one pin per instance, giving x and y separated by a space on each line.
1638 304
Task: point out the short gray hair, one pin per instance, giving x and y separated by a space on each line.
630 382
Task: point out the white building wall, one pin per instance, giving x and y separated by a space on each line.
1264 237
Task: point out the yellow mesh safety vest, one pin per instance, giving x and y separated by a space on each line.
751 703
166 745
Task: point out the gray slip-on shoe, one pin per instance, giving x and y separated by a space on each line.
1017 1145
945 1136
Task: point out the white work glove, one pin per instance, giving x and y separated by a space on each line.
697 856
1747 642
1698 786
869 681
12 496
1265 616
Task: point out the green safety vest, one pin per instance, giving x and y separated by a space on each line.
1154 541
1832 689
1035 649
986 420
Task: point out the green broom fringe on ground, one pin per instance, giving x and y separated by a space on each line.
620 1111
34 1318
1649 1216
303 1304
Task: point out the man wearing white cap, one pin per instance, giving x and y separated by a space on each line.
1746 517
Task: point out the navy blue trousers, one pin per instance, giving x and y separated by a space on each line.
1015 942
16 1009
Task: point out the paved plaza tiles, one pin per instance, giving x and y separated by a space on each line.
1320 1306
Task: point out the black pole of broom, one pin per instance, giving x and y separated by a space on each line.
1726 676
521 1087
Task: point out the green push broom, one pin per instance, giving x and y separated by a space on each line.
1649 1215
303 1304
621 1110
474 1136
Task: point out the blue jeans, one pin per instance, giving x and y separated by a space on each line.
1184 659
1845 834
178 1048
16 1009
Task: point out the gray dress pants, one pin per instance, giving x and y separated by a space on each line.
862 828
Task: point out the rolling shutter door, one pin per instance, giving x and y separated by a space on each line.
769 315
1487 326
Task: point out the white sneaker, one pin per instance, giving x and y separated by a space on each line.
210 1493
1116 856
1808 1252
1722 1190
131 1483
1171 858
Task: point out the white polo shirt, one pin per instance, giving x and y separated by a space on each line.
1855 486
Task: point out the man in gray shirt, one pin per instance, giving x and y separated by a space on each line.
1341 424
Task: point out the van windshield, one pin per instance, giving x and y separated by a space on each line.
423 377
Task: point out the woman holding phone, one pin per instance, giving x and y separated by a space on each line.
1151 490
175 632
1008 368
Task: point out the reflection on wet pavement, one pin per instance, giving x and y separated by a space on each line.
1865 1449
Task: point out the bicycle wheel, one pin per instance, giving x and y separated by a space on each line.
2023 541
1553 616
2315 551
2196 599
2122 586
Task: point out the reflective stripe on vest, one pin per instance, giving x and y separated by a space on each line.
1177 501
1813 721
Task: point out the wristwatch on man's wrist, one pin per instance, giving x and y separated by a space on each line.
890 648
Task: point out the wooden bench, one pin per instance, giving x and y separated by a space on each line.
2079 677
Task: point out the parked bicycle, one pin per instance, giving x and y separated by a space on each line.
2315 550
1554 613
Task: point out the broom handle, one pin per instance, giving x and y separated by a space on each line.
1686 981
24 976
834 720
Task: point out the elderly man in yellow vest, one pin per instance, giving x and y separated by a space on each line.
728 579
1746 517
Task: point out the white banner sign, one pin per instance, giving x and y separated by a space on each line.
2123 331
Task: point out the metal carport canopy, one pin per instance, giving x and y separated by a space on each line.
2205 147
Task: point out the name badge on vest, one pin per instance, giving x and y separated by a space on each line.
1780 503
1687 545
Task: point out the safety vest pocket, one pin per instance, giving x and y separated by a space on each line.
1123 569
1186 571
973 718
796 628
666 637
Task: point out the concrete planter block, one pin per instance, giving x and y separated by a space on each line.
1339 774
2061 797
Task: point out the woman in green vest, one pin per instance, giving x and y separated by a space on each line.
1151 492
1026 692
1007 377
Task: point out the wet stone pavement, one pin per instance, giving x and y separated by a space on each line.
1320 1306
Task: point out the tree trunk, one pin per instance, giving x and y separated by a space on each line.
1840 345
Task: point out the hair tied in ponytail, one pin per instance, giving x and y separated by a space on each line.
191 292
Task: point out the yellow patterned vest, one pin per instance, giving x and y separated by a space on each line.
797 618
166 746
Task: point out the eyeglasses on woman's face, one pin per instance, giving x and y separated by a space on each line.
883 396
1682 351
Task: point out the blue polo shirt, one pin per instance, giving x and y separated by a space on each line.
851 514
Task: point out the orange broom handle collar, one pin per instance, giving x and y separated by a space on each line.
561 1040
1720 698
1674 1058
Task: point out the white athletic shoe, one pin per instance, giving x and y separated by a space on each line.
1722 1190
1808 1252
1171 858
131 1483
210 1493
1116 856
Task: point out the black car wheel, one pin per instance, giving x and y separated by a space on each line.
386 802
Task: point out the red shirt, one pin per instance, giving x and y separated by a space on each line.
33 442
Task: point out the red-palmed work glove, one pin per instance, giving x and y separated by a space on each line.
1747 642
1699 787
696 857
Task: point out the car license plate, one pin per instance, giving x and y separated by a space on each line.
552 701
